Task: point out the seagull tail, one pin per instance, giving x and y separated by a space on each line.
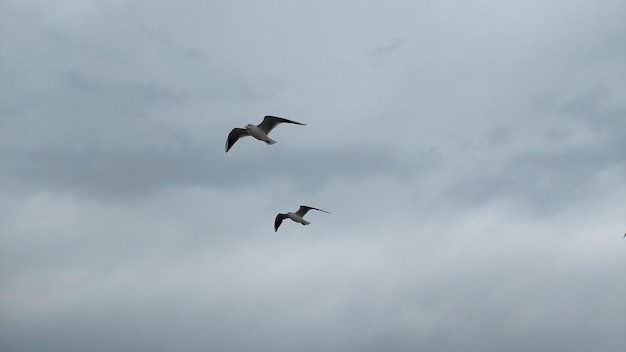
305 222
270 141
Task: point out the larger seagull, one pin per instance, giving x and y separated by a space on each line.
297 216
259 131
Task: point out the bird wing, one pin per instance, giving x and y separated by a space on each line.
269 122
234 135
279 220
304 209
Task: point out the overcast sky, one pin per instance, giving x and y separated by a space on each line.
472 154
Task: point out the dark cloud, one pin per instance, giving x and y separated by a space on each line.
132 173
133 92
543 183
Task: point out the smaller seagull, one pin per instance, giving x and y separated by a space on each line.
259 131
297 216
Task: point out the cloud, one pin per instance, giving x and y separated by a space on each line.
128 173
147 93
471 156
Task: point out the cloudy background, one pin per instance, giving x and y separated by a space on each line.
473 156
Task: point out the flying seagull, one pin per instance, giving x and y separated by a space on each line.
297 216
259 131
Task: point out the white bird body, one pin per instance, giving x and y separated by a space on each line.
258 133
297 216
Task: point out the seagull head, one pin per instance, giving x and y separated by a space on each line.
249 125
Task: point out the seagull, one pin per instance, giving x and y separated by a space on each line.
297 216
259 131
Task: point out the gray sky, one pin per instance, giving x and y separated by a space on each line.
472 154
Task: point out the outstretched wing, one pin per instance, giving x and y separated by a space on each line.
234 135
279 220
269 122
304 209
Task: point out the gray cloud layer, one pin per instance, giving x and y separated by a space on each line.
471 154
